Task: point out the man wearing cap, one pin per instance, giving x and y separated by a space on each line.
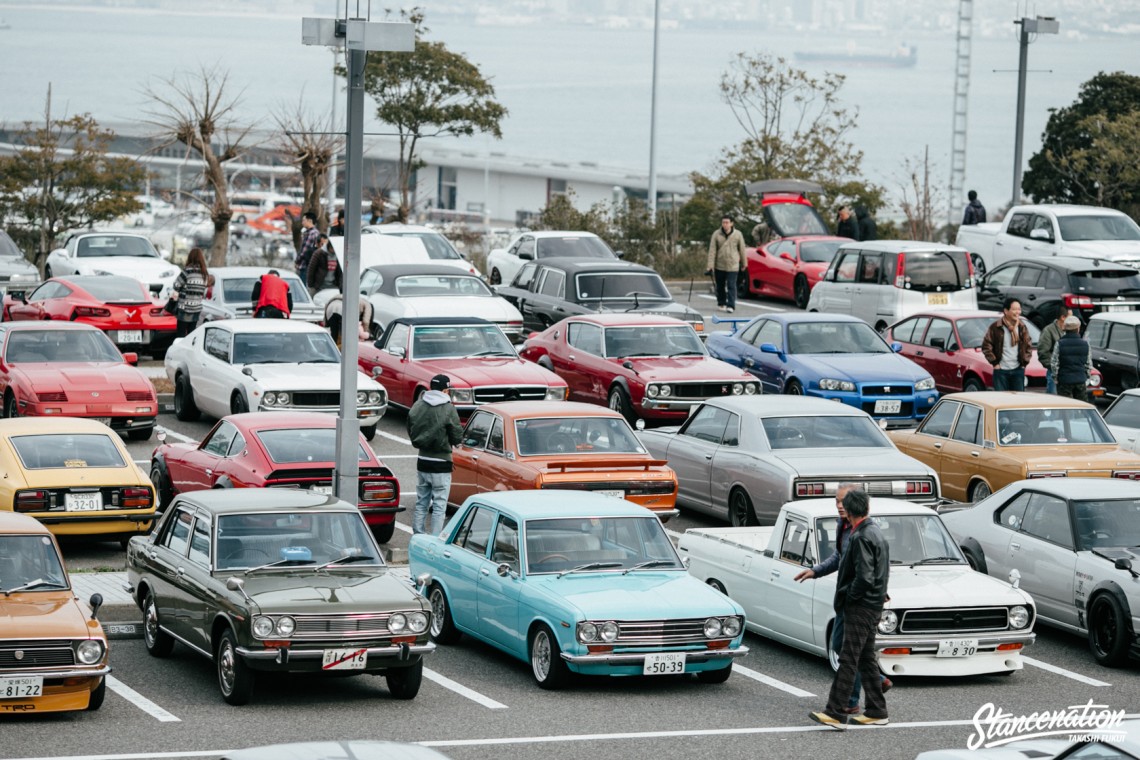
433 427
1072 362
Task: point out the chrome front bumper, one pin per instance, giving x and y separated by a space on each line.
286 655
929 644
93 673
636 658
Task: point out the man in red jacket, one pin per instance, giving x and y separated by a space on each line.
271 297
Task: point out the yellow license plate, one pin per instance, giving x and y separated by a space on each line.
937 299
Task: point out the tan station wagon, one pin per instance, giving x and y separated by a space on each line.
980 442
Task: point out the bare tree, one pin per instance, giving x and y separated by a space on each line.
919 200
195 110
309 143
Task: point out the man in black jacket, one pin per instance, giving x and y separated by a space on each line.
860 592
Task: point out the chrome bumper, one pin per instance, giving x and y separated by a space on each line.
105 670
635 658
928 644
286 655
366 414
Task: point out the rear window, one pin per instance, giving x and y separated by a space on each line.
1105 281
292 446
821 252
116 290
574 247
239 290
936 271
49 452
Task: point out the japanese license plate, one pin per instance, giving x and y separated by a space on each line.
616 493
937 299
21 686
326 490
344 659
888 407
957 647
83 502
663 664
130 336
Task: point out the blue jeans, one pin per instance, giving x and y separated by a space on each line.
432 489
837 646
1009 379
1050 385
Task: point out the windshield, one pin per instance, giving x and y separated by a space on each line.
795 219
934 271
278 348
1108 523
819 252
824 432
30 346
459 341
558 545
299 445
8 247
114 289
574 247
913 539
1051 427
1106 227
621 285
24 559
114 245
421 285
239 290
972 331
835 338
286 540
653 340
576 435
59 451
1125 412
438 247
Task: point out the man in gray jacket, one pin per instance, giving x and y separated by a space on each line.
433 426
1047 342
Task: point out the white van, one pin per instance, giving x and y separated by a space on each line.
884 281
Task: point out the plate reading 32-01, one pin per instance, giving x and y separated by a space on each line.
344 659
888 406
663 664
21 686
83 502
957 647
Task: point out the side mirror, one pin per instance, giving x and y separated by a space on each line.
247 371
526 256
896 347
939 343
398 351
96 601
237 584
627 364
748 363
619 254
423 580
787 256
1040 235
161 435
769 348
61 252
639 424
503 569
131 358
20 295
1014 578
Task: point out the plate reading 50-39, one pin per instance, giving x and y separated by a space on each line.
663 664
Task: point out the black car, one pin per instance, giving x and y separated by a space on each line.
1087 286
1113 339
549 290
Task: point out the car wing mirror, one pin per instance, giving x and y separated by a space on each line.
377 371
62 252
131 358
1040 235
639 424
787 256
1123 563
504 571
526 256
748 363
247 371
989 445
398 351
627 364
237 584
1015 577
939 343
896 347
96 601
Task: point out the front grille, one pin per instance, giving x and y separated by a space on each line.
703 390
639 633
316 398
52 396
906 409
36 654
887 390
139 396
365 625
496 393
955 620
631 488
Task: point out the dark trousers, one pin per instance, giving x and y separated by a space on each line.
186 326
270 312
1009 379
858 657
1073 390
725 288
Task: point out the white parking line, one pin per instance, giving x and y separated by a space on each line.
395 438
1062 672
795 691
139 701
463 691
746 303
177 436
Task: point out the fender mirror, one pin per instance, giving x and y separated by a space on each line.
96 601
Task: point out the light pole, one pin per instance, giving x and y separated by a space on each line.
653 116
1039 25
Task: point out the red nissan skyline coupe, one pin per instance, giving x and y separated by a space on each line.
790 267
275 450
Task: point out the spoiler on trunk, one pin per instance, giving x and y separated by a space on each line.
575 464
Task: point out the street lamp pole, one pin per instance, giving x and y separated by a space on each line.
1039 25
653 116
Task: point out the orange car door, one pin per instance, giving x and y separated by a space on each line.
465 457
962 453
496 471
928 442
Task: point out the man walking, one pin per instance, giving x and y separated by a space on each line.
1007 348
433 427
1047 342
860 592
975 211
726 260
310 239
1072 362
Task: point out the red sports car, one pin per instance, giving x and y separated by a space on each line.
474 353
274 450
790 267
67 369
119 306
640 365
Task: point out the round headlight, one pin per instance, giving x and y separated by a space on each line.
397 622
362 397
737 389
1018 617
286 626
282 398
608 631
652 391
375 397
666 390
90 651
1094 380
418 622
712 628
750 389
262 627
731 626
888 621
587 632
270 398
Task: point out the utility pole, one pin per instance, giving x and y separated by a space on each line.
1039 25
961 101
653 117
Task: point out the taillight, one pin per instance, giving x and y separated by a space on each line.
1126 474
970 281
1075 301
379 490
32 501
134 498
157 311
90 311
1033 475
900 271
809 489
919 487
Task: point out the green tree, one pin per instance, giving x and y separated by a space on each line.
431 92
60 178
1090 150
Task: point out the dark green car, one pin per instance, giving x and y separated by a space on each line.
276 580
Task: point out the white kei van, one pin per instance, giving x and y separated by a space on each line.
884 281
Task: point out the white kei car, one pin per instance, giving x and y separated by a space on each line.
240 365
504 263
123 253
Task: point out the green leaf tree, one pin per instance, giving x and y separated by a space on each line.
61 178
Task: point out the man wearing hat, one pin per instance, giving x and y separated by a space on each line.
1072 361
433 427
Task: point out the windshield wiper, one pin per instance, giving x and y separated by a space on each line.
928 560
33 584
347 559
278 563
590 566
490 352
648 563
319 361
688 353
643 353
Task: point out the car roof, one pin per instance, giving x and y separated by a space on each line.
14 522
573 265
775 405
530 409
109 233
33 324
227 272
1018 400
902 246
540 234
1071 263
439 321
401 270
797 317
622 319
241 500
1124 317
266 326
1068 209
880 507
1080 488
530 505
53 425
398 228
952 314
278 420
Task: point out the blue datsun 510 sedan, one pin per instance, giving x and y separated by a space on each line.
832 356
574 582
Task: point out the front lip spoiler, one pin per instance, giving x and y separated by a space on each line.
285 655
931 642
634 658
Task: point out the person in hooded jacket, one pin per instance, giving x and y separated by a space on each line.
867 228
433 427
975 212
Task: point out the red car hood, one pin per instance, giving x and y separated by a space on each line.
84 376
695 369
490 371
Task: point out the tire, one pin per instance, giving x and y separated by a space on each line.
979 265
973 385
158 643
141 434
383 533
98 694
369 432
793 388
235 679
11 408
1108 631
618 400
979 491
717 585
163 489
740 511
832 655
238 403
184 407
801 291
720 675
443 630
404 683
546 663
47 272
496 276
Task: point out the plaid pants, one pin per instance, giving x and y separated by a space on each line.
858 656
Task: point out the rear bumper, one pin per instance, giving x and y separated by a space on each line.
120 415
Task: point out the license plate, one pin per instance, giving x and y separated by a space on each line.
83 502
1116 307
888 407
617 494
937 299
344 659
130 336
663 664
326 490
21 686
957 647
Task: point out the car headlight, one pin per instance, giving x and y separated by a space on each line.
167 273
829 384
1093 381
90 651
282 398
608 631
652 391
462 395
888 621
666 390
751 389
925 385
556 394
737 389
417 622
587 631
262 627
1018 617
361 398
375 398
397 622
730 626
269 398
713 628
286 626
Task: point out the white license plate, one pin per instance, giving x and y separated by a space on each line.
1117 307
21 686
663 664
83 502
130 336
617 494
326 490
344 659
888 407
957 647
937 299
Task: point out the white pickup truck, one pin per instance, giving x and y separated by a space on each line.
942 619
1090 232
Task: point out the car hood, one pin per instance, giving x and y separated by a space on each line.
306 377
1113 250
941 586
866 462
39 614
491 308
640 595
10 265
136 267
341 591
84 377
876 369
686 369
490 371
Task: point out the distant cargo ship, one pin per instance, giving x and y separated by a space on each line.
902 57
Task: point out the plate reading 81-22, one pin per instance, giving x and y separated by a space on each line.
663 664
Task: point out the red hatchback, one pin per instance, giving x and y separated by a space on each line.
119 306
274 450
637 364
790 267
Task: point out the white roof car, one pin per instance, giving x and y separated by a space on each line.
1123 419
124 253
439 248
504 263
230 297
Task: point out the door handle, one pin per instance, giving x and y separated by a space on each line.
708 456
484 571
1015 546
1031 297
475 457
209 471
975 453
919 353
447 554
775 573
938 445
572 358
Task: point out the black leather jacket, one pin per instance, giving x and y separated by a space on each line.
864 569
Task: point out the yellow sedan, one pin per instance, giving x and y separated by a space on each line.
74 476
